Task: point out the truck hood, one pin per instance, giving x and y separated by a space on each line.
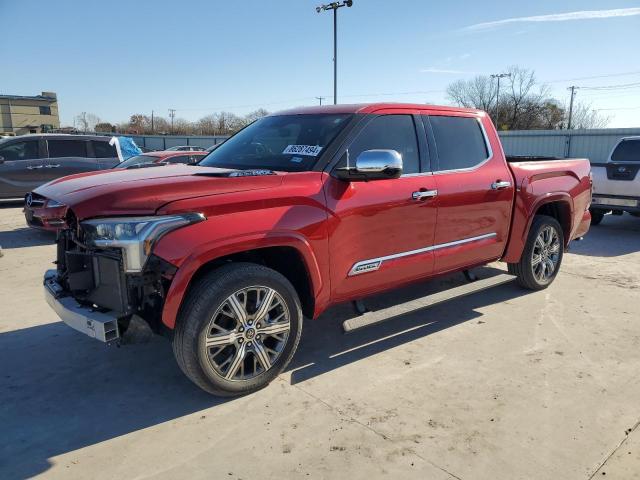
143 191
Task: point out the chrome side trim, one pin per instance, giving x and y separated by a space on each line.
374 264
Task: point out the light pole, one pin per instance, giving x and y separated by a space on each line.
499 76
573 95
335 6
320 99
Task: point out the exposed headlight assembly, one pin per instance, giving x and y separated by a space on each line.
134 235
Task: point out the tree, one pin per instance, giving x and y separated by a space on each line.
478 92
585 117
105 127
87 121
524 104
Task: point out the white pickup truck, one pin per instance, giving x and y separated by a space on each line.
616 183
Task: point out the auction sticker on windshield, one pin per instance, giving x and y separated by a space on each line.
309 150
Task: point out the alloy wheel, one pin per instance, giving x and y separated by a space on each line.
546 254
247 333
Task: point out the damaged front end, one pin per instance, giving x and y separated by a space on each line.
108 284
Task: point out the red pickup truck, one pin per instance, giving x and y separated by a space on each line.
299 211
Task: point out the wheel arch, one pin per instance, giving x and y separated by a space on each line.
557 205
292 257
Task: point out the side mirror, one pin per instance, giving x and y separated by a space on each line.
373 165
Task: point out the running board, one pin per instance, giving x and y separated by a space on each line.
371 318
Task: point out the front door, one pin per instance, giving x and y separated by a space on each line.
21 169
475 192
381 231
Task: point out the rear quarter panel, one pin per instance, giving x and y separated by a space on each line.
542 182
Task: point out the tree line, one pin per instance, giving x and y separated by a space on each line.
523 103
220 123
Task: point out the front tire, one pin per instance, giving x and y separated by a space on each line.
238 328
542 255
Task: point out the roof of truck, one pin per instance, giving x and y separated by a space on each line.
370 108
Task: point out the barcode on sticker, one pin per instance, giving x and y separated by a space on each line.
309 150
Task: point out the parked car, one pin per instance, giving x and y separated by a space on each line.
213 147
29 161
43 214
162 158
616 183
187 148
299 211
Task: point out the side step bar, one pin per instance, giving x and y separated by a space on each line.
371 318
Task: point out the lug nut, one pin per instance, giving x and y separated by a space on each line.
241 329
250 322
249 344
258 325
240 340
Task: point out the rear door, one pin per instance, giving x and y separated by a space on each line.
475 191
21 168
68 156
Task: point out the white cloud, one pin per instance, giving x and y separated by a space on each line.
446 71
556 17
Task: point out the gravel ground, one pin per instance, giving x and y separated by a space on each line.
503 384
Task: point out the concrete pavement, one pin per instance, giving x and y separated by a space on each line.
503 384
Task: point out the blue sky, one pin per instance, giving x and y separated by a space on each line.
117 58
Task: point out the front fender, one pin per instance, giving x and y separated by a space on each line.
202 253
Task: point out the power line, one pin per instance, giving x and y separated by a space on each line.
623 86
621 74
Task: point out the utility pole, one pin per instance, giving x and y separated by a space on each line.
152 129
498 76
335 6
320 99
573 89
172 113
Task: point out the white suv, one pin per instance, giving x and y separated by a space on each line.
616 183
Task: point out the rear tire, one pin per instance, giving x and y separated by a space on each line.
238 328
596 216
542 255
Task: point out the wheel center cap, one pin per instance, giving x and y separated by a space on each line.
250 333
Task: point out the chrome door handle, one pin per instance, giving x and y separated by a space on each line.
500 185
53 166
34 168
422 194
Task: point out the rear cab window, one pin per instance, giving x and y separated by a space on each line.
627 151
67 148
459 141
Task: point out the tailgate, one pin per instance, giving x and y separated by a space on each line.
616 178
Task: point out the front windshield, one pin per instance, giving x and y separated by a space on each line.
290 143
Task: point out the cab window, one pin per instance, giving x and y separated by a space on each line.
389 132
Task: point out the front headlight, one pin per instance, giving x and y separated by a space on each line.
134 235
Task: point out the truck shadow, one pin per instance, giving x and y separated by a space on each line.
25 237
615 236
324 347
61 391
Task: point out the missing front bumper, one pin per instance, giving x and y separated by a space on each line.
98 325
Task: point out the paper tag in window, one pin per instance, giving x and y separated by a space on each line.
308 150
